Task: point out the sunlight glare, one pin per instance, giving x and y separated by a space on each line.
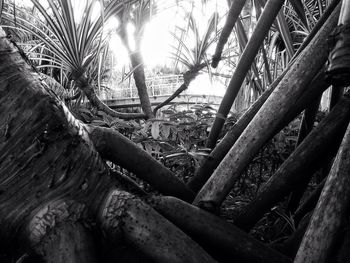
79 7
156 43
130 29
111 25
96 11
202 85
119 51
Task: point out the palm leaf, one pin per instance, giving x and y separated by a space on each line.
299 9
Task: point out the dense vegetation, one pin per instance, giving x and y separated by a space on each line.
261 178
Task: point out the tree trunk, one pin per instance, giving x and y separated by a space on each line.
306 125
300 165
265 21
232 16
331 210
222 239
90 93
210 163
115 147
267 121
138 71
140 82
55 189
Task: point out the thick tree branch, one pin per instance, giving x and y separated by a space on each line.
223 240
118 149
125 214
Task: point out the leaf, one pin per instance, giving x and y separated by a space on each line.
155 129
99 123
175 155
148 147
166 131
299 9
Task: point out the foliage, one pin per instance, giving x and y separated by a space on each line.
192 56
65 44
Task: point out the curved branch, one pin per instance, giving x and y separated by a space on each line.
177 92
118 149
189 76
83 84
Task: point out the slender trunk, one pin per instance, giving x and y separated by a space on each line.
336 94
139 71
140 82
291 245
219 152
267 121
189 76
210 163
306 125
300 165
339 58
232 16
309 203
263 26
331 210
97 103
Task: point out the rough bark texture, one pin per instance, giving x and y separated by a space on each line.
144 228
115 147
330 211
210 163
140 82
300 165
53 180
223 240
43 149
268 119
306 125
67 243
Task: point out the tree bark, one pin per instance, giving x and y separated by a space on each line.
306 125
118 149
54 185
142 227
211 162
232 16
300 165
331 210
265 21
223 240
269 118
140 82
